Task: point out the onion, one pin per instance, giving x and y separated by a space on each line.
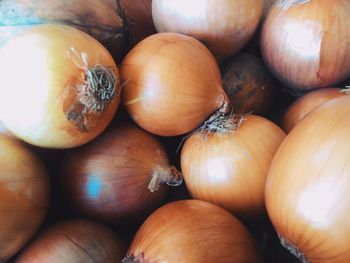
74 240
101 19
192 231
216 23
308 185
24 195
4 131
308 102
267 5
63 91
305 43
171 77
226 163
248 84
116 177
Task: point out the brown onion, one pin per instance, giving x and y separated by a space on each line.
74 240
192 231
248 84
172 84
306 103
224 26
24 195
116 177
226 163
305 42
308 185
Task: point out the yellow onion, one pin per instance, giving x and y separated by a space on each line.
192 231
172 84
226 163
24 195
59 86
224 26
308 185
305 43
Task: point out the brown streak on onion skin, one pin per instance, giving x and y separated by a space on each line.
108 179
307 189
24 195
74 240
306 46
192 231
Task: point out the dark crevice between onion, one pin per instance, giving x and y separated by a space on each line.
286 4
293 249
170 176
132 259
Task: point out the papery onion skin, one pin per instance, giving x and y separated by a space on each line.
107 179
249 85
305 43
24 195
229 168
216 23
172 84
307 189
74 240
102 19
308 102
192 231
52 96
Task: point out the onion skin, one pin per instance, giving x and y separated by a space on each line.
53 103
308 102
307 189
229 168
192 231
100 19
267 5
169 76
24 195
107 179
305 43
216 23
74 240
248 84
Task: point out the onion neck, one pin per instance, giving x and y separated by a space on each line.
293 249
169 175
132 259
286 4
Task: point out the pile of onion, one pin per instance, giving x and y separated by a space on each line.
306 43
192 231
306 103
74 240
62 92
308 185
224 26
117 177
24 195
172 84
226 162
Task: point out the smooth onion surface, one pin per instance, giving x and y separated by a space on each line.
248 84
308 185
306 42
192 231
60 87
24 195
108 178
73 241
229 168
224 26
306 103
172 84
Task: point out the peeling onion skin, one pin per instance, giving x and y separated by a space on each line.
230 168
305 43
74 240
216 23
308 185
192 231
172 84
306 103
